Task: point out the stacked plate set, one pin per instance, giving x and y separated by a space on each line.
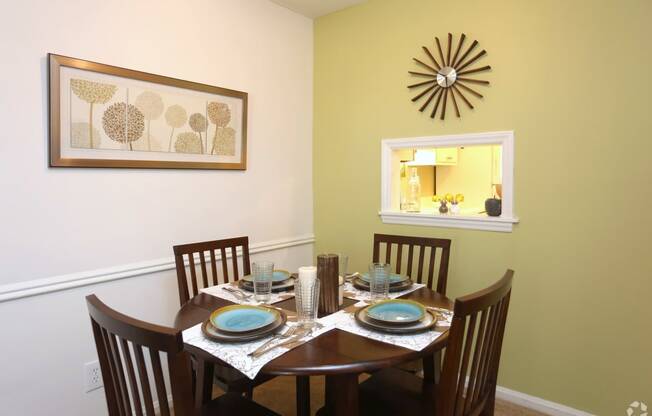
397 282
396 316
282 281
243 323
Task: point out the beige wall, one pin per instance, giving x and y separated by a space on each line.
579 324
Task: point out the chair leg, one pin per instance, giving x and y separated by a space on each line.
249 392
490 406
303 396
432 368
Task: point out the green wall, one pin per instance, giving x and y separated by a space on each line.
573 80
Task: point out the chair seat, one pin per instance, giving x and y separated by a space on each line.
234 404
396 392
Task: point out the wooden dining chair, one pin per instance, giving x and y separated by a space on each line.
202 257
410 259
412 265
123 346
468 381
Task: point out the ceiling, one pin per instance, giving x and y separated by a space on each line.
316 8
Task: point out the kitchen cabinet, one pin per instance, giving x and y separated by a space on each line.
446 156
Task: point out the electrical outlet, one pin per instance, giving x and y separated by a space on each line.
92 376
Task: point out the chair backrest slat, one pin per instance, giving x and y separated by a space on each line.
117 361
473 351
226 247
422 249
225 265
409 265
465 361
159 382
131 377
234 258
213 267
193 273
116 336
144 380
204 274
399 258
422 244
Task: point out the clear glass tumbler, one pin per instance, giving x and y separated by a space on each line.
263 271
379 281
343 264
306 297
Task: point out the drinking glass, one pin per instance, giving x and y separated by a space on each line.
263 272
379 281
343 264
306 297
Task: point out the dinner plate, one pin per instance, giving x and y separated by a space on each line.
428 321
394 278
239 319
281 287
362 285
396 311
214 334
278 277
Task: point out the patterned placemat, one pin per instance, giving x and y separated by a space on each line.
345 320
352 292
236 353
218 291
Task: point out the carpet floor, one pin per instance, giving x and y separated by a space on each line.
279 395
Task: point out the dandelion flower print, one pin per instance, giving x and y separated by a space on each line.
220 115
188 143
176 116
225 142
92 93
123 123
151 105
199 124
80 136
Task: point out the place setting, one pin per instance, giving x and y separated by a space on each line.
265 285
249 336
379 278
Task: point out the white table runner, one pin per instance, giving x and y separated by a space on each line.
218 291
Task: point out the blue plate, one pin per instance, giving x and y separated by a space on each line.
243 318
394 278
277 277
396 311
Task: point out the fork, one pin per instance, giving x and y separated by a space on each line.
239 293
287 334
292 341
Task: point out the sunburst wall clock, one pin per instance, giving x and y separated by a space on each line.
447 76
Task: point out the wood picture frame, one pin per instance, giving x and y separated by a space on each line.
103 116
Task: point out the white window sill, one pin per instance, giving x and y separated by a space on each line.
472 222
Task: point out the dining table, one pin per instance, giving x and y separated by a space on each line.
338 355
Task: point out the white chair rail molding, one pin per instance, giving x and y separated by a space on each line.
455 181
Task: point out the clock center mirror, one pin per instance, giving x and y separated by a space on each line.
446 76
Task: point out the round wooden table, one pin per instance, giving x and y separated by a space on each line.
339 355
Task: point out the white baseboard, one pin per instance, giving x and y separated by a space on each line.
536 403
72 280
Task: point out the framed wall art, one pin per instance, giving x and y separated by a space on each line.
105 116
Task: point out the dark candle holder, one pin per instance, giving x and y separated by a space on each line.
328 275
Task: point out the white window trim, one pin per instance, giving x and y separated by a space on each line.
502 223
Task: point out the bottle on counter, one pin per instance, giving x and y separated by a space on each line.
413 202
